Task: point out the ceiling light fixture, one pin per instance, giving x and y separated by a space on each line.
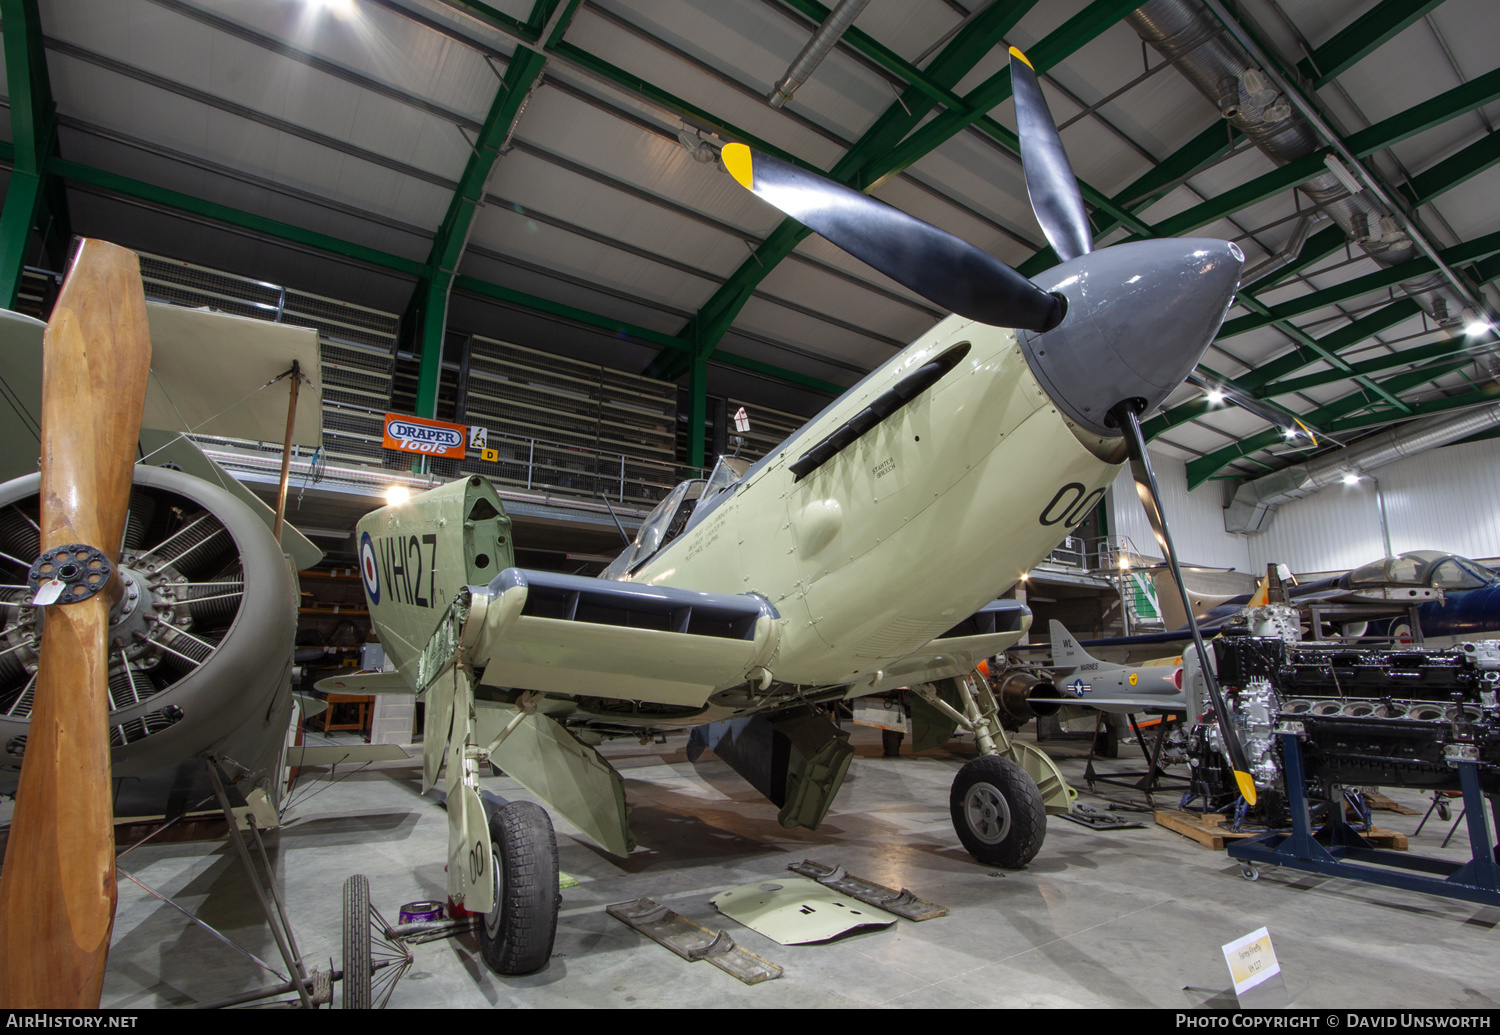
1351 478
1474 324
397 494
1342 174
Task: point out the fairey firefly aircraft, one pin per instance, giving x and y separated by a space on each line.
865 553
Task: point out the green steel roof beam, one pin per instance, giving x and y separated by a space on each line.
1452 171
863 170
1378 137
33 118
1476 93
1360 37
1294 174
1073 34
529 30
1201 469
1251 383
429 309
1405 357
233 217
275 230
1315 249
1262 382
1308 342
913 76
1479 248
1489 393
644 335
966 49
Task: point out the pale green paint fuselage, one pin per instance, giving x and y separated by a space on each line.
890 543
910 529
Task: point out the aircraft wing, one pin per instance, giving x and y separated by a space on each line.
991 630
1127 705
599 638
364 684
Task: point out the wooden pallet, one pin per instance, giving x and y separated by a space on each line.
1207 829
1210 832
1380 803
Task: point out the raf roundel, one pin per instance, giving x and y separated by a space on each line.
367 568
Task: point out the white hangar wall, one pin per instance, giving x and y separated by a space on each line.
1444 499
1197 518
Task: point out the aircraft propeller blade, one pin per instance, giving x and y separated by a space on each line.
57 890
943 269
1055 197
1129 422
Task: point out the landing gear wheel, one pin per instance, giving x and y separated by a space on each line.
890 742
357 943
516 937
998 812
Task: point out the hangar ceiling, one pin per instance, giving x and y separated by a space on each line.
545 172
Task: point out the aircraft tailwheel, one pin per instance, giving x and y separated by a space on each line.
998 812
357 973
375 957
517 934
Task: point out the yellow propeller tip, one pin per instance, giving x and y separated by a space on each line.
1015 52
736 159
1246 785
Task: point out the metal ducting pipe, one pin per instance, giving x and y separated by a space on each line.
1255 502
1188 35
816 50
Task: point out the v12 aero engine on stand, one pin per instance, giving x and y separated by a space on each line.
863 554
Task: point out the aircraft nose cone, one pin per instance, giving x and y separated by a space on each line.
1139 317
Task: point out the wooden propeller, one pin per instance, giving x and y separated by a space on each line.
57 890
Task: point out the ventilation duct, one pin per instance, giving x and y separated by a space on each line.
1255 502
816 50
1193 40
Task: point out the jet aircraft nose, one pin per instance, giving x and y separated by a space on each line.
1139 317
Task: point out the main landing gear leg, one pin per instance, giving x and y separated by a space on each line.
1000 800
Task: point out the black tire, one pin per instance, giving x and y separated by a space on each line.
998 812
356 986
890 742
516 937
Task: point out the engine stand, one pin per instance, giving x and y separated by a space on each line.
1336 850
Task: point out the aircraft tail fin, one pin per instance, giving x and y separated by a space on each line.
1170 600
1262 595
1065 650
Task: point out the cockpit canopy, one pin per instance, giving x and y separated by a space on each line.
1432 569
676 513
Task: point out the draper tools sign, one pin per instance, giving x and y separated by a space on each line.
419 435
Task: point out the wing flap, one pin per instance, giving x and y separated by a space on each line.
364 684
991 630
571 777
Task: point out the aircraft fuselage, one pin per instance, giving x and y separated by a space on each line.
911 528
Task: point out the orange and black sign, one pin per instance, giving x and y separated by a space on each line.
429 437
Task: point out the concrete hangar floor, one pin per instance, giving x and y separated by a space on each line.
1116 918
